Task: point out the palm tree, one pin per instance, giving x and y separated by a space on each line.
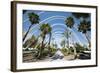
84 27
69 23
34 19
49 39
85 24
46 29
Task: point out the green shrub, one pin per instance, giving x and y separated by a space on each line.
64 51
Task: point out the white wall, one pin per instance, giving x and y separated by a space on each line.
5 37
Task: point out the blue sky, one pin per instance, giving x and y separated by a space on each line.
56 19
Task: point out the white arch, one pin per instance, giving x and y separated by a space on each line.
57 32
39 13
58 24
61 30
76 36
50 19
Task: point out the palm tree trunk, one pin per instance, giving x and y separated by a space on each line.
68 42
75 52
42 47
43 42
49 40
27 33
68 38
88 40
50 50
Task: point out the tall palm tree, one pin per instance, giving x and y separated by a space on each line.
69 23
84 27
34 19
45 29
50 34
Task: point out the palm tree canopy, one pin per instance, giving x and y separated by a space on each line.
69 22
84 26
33 18
79 15
45 28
